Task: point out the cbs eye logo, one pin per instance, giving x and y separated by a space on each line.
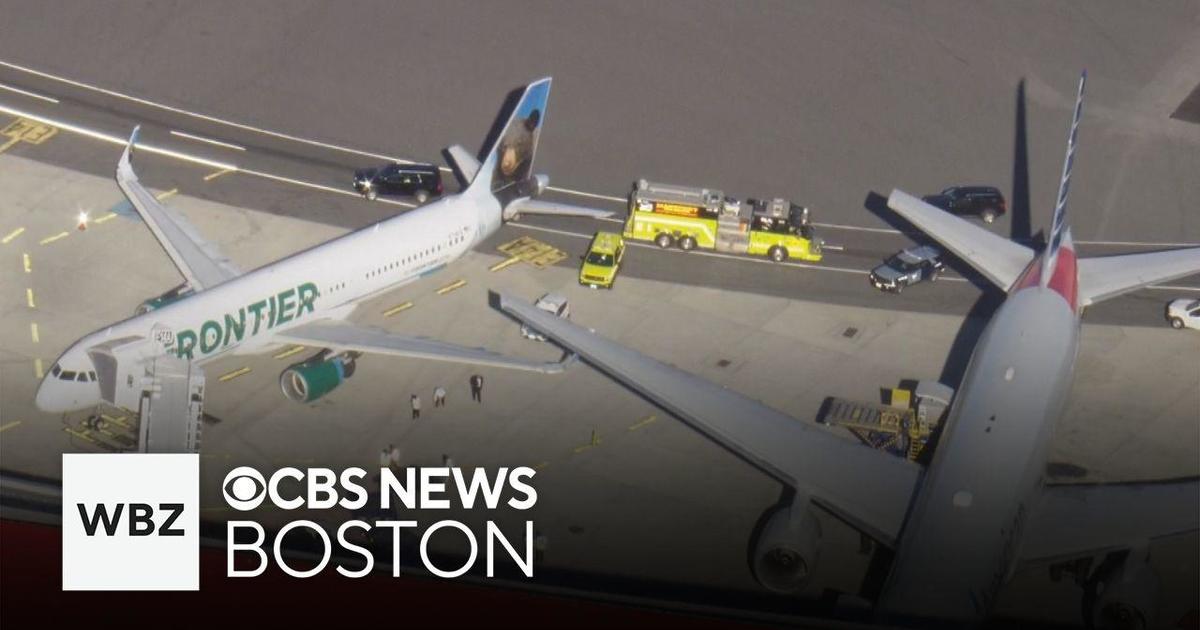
244 488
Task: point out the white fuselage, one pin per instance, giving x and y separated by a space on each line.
963 533
321 282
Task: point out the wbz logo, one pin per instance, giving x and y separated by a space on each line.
131 522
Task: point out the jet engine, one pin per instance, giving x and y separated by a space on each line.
1122 594
785 553
312 379
530 188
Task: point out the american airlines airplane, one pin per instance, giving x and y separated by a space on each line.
962 526
153 362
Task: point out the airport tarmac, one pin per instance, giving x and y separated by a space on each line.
624 489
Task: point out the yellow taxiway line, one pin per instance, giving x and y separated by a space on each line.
399 308
457 284
289 352
51 239
11 235
229 376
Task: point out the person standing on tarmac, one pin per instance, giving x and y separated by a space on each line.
477 388
439 396
416 406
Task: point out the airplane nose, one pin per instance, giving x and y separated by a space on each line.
46 399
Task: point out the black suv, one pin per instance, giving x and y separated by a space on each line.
420 181
985 201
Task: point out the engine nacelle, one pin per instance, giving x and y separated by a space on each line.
533 187
1122 594
786 551
308 381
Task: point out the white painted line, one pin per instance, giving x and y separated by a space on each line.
857 228
588 194
1168 287
99 135
267 132
1137 244
300 182
208 140
27 93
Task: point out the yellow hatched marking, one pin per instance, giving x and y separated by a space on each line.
8 144
229 376
25 130
28 263
399 308
11 235
81 435
645 421
504 264
532 251
37 368
29 298
5 427
51 239
121 421
106 217
289 352
212 176
453 286
169 193
33 332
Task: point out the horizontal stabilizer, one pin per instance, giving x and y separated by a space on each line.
465 166
1086 519
1109 276
540 206
997 258
201 264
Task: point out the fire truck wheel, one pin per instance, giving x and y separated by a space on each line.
663 240
687 243
778 254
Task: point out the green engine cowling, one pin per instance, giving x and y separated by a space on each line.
308 381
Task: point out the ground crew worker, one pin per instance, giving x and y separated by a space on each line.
416 406
439 396
477 388
393 457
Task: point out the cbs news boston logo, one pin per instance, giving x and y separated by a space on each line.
131 522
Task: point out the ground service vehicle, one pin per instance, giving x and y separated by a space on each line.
985 201
602 261
419 181
554 303
702 217
913 265
1184 313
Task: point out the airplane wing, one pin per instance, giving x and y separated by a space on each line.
869 489
342 336
539 206
201 264
997 258
1085 519
1109 276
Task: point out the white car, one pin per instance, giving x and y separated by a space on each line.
1184 313
551 303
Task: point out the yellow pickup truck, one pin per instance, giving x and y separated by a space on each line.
602 261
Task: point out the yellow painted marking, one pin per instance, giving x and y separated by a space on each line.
533 251
234 374
25 130
37 368
504 264
33 331
457 284
541 466
27 262
13 234
595 442
29 297
5 427
169 193
399 308
7 144
645 421
212 176
289 352
105 217
51 239
122 421
80 434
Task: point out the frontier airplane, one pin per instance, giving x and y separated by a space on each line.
153 361
962 526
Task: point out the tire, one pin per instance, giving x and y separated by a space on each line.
988 216
421 196
933 277
899 288
1176 323
687 243
371 194
663 240
778 254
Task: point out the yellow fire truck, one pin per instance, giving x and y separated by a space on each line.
701 217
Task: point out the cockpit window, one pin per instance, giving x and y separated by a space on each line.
55 370
82 378
92 376
67 375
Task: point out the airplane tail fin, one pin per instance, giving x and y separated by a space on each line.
508 164
1059 230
